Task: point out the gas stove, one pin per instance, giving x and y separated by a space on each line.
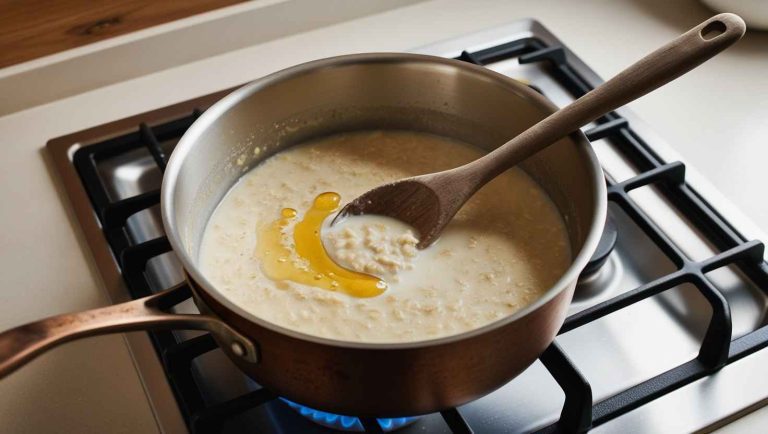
664 333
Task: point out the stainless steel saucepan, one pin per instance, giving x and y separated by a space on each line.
358 92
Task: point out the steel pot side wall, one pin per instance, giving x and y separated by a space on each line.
393 382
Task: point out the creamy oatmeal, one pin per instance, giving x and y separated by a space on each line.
503 249
372 244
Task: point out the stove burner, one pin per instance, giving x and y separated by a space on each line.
604 247
347 423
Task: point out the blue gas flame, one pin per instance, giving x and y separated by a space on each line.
346 423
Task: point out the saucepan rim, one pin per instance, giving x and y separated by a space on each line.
191 138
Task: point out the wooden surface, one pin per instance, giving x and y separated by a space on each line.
34 28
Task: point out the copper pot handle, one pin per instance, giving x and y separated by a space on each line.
20 345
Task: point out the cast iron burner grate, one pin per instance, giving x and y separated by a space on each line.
578 413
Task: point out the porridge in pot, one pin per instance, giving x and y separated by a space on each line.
268 245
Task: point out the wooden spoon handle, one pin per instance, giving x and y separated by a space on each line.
654 70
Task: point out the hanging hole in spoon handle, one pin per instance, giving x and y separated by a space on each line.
723 26
713 30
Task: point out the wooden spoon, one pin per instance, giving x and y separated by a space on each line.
428 202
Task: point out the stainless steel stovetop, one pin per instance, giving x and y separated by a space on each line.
614 353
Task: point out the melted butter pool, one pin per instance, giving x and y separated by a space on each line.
304 260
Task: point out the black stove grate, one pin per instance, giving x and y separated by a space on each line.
578 413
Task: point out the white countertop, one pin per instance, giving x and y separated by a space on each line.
715 117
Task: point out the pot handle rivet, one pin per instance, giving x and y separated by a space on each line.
237 348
